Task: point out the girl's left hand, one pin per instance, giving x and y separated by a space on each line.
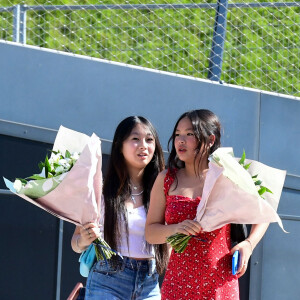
245 252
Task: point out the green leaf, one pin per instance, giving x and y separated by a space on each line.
47 166
41 166
246 167
254 176
181 248
269 191
24 181
258 182
178 241
242 160
262 190
35 177
68 154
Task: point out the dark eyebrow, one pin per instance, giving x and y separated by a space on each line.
136 133
188 129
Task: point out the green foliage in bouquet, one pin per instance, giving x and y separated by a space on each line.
179 241
56 165
52 173
257 182
106 250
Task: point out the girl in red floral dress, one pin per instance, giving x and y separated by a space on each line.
203 270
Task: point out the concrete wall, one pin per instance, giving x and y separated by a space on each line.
44 89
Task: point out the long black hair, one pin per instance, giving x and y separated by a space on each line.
116 188
205 123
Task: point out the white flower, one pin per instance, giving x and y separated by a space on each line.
233 170
18 185
62 162
68 160
75 156
59 170
67 167
54 158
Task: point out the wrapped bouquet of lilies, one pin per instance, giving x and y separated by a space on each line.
69 185
238 191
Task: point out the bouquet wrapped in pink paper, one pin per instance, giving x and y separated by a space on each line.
70 185
231 196
233 193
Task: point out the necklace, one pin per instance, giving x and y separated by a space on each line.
137 194
201 176
134 186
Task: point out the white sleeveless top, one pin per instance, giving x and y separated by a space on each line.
136 235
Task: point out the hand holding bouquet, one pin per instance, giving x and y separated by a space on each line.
233 193
70 183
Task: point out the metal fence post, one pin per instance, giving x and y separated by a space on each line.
59 259
19 23
217 49
22 32
16 24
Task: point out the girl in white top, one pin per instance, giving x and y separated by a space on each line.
136 159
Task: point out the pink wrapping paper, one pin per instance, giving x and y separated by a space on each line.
77 198
224 202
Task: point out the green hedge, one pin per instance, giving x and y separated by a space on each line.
261 49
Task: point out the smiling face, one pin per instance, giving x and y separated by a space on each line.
185 141
138 148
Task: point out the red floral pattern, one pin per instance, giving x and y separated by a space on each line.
203 270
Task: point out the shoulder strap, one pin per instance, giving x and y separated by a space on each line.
169 179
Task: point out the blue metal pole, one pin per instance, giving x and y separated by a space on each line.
216 55
16 23
59 259
22 32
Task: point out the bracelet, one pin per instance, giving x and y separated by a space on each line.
76 243
250 244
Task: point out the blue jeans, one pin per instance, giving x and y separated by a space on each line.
124 279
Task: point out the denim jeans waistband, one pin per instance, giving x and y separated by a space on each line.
137 264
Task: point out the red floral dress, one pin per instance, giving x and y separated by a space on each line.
203 270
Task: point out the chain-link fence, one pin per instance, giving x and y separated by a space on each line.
249 43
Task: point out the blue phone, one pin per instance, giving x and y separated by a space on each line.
235 262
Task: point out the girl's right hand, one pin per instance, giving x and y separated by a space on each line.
88 233
188 227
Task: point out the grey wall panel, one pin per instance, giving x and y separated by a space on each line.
45 88
20 158
29 249
29 236
290 203
280 278
277 256
280 133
